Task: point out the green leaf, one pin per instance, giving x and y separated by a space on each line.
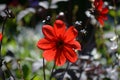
25 70
36 77
112 13
118 13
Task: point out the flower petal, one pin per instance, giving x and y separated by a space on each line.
49 55
1 36
105 10
104 17
74 44
96 3
100 5
100 21
45 44
70 34
59 27
70 54
60 58
48 31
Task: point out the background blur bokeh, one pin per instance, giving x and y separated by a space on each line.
99 58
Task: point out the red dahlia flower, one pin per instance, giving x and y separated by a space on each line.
59 44
0 36
100 11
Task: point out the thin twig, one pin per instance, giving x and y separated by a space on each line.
80 75
115 21
52 71
81 68
20 70
115 30
3 27
44 69
65 71
49 5
66 67
1 60
9 71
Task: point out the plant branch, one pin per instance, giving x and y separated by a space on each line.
44 69
115 20
3 27
9 71
52 71
65 71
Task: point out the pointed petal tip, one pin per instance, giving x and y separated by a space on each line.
59 28
59 22
48 31
70 34
45 44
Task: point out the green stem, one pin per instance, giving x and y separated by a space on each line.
52 71
65 70
9 71
115 21
44 69
3 26
49 5
20 70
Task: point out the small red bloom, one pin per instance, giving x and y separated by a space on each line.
100 12
59 43
0 36
13 3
